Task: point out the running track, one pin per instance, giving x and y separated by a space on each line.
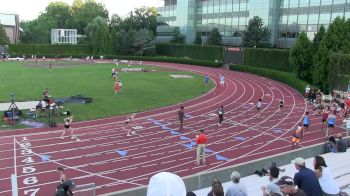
34 154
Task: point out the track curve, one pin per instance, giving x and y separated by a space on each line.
157 146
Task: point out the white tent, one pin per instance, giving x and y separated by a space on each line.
166 184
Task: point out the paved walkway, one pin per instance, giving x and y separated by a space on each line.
337 162
20 105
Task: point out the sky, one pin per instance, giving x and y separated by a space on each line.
30 9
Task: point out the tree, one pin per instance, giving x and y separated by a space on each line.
198 39
85 11
256 35
4 40
97 33
59 13
178 37
301 57
214 38
333 41
37 31
144 43
122 42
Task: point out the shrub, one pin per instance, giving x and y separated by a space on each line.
276 59
339 71
288 78
54 49
210 53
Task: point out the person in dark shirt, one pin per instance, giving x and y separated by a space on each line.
306 179
181 114
221 115
287 187
342 145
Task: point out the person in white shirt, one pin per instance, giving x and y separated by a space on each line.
259 106
237 188
327 182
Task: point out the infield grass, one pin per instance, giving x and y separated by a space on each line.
141 91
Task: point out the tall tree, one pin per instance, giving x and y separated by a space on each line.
85 11
177 36
122 42
256 35
198 39
4 40
301 57
144 43
98 34
214 38
333 41
59 13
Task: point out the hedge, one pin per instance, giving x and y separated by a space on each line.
277 59
210 53
339 71
40 49
170 60
288 78
141 58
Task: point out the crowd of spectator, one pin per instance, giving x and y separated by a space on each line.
316 181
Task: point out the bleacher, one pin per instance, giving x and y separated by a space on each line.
337 162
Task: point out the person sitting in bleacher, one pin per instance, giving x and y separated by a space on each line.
332 145
342 145
327 182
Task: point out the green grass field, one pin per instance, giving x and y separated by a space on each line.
141 91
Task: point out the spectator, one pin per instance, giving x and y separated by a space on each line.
332 145
237 188
273 178
201 140
165 183
218 190
190 193
327 182
342 146
306 179
287 187
215 181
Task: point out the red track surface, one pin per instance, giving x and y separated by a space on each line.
93 159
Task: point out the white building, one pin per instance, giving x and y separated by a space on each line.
64 36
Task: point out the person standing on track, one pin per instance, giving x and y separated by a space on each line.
306 121
62 176
222 80
181 115
67 125
201 140
280 106
128 124
331 122
221 115
259 106
120 84
297 135
325 115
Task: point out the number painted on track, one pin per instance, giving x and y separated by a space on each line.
28 160
28 170
32 191
30 180
26 152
